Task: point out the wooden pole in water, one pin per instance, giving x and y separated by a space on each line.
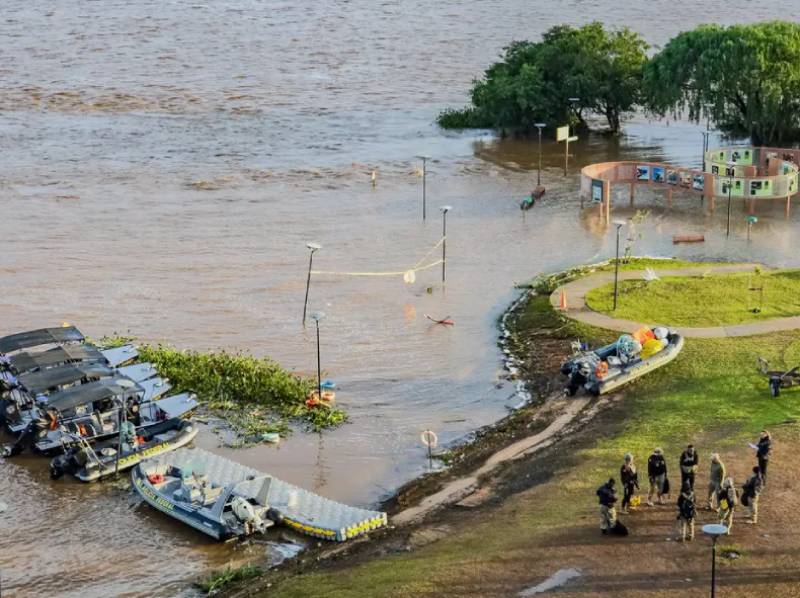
444 209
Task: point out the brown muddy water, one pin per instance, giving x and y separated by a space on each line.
164 165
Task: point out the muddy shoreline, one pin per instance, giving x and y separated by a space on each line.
532 361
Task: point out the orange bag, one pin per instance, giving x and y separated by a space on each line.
643 335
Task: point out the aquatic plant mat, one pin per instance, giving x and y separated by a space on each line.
253 396
541 516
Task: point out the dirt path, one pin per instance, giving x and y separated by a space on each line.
461 487
578 310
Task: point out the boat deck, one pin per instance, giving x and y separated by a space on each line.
304 511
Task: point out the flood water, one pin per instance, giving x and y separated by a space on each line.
164 165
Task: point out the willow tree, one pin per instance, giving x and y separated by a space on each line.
534 81
746 78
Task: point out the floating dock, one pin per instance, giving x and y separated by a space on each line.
300 509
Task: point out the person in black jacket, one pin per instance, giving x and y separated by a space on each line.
750 492
686 513
607 497
688 462
762 453
657 474
630 481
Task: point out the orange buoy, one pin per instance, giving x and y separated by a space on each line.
313 399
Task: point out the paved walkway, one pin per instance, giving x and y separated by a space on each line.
578 310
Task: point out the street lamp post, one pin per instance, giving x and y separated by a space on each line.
539 126
619 224
715 530
731 167
317 316
572 102
424 177
313 247
444 210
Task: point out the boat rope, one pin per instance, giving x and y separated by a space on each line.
418 267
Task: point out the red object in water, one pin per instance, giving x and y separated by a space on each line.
446 321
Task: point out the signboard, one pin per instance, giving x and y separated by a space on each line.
658 174
642 172
597 191
562 133
672 177
698 182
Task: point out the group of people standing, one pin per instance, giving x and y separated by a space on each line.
722 495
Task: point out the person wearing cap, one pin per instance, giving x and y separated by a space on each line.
607 497
686 513
762 454
630 481
657 474
688 463
715 477
726 499
750 492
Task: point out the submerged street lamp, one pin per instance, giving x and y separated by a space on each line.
313 247
317 316
619 224
731 169
539 126
444 210
424 159
715 530
572 102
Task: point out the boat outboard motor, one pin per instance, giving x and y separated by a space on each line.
580 375
245 513
25 438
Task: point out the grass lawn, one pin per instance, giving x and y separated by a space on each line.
710 300
711 395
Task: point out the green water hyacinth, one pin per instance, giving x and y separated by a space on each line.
254 394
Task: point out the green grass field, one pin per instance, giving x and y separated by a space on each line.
710 300
712 394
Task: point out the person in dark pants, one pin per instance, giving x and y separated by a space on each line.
630 481
657 473
688 462
686 513
763 448
607 497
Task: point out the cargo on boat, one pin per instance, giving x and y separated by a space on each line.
631 356
226 499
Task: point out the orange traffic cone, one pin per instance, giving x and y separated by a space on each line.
562 302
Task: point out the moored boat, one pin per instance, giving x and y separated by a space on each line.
161 483
606 369
88 463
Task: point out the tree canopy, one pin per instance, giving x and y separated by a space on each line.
745 77
534 80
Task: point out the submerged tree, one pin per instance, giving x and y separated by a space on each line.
745 77
535 80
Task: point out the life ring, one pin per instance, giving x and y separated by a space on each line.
601 370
